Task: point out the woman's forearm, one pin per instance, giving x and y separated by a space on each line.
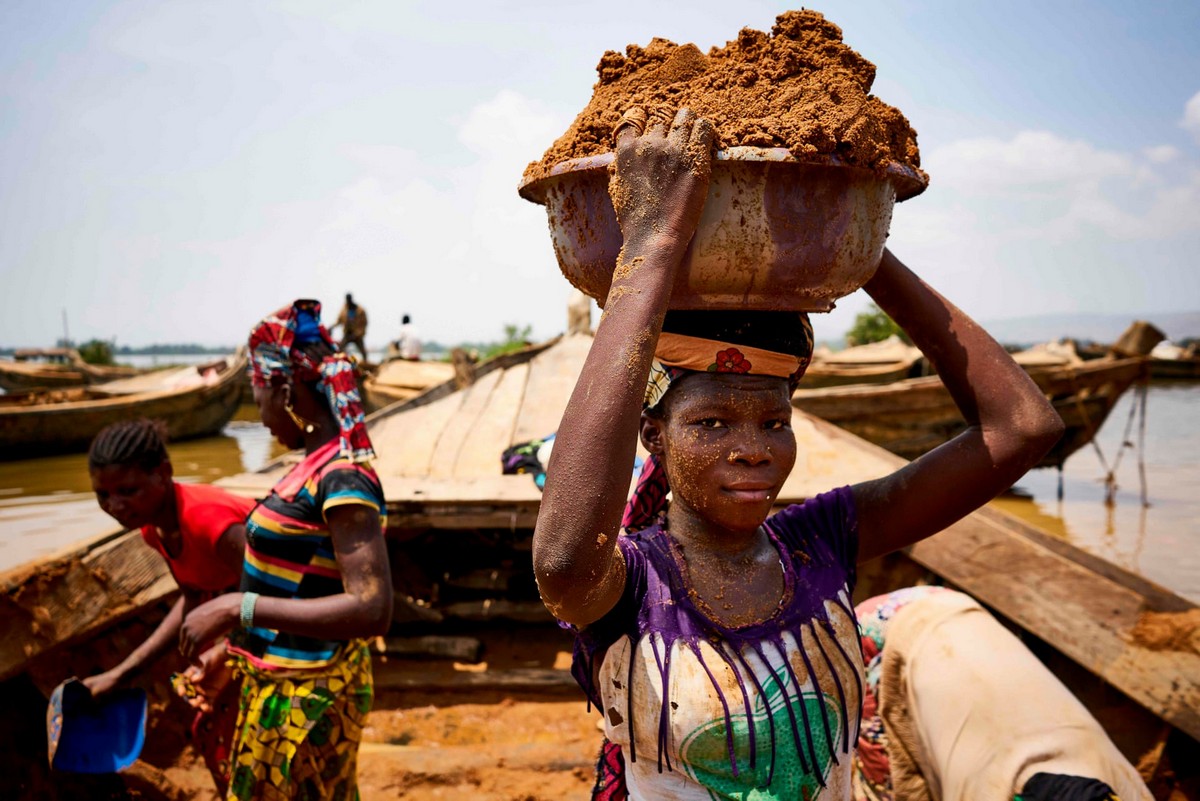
334 617
158 643
594 449
658 192
987 385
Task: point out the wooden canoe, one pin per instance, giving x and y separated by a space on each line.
55 368
192 403
399 380
914 416
1170 362
874 363
1181 369
461 530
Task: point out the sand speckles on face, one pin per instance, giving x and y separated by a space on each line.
799 87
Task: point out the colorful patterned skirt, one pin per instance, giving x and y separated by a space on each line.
298 731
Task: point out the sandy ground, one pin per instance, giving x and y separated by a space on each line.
485 741
513 750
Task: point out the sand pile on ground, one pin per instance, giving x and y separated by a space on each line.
799 87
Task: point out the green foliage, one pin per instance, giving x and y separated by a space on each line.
515 338
97 351
874 325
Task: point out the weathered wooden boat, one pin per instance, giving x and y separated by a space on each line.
913 416
876 363
1048 354
399 380
1170 362
43 368
460 532
192 401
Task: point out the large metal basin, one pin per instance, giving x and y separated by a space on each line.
775 233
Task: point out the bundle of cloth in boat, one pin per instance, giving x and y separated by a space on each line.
956 708
530 458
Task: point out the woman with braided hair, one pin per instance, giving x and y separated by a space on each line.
199 530
316 584
718 639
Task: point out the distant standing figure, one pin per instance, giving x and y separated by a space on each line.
353 321
409 344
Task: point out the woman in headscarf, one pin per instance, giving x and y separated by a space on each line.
315 584
717 639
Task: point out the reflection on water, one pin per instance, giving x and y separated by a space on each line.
243 445
1160 541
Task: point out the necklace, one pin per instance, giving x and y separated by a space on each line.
677 554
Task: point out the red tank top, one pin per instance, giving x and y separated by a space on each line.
205 513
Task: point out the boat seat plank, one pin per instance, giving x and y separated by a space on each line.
458 433
1085 615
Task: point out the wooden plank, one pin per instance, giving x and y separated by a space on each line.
462 519
484 490
488 610
1086 616
458 433
494 433
78 596
435 646
405 442
394 675
552 378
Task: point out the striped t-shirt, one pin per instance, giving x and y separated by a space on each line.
289 551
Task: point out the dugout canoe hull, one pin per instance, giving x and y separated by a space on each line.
30 426
911 417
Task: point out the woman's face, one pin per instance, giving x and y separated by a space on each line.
727 445
272 403
132 496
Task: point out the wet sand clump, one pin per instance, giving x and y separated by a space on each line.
798 87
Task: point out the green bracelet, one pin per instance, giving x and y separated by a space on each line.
249 599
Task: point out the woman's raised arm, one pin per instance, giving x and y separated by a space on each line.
658 191
1011 425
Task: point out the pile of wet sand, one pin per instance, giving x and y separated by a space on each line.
799 87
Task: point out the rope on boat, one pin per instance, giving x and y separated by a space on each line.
1137 409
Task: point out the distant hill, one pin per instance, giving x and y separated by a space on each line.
1094 327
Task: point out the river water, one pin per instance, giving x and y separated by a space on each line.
1160 541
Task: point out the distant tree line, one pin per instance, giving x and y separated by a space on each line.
184 349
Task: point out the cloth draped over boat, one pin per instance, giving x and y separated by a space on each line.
957 708
276 349
742 342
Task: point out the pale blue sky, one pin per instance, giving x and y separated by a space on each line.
172 171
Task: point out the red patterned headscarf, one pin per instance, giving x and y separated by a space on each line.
746 342
275 350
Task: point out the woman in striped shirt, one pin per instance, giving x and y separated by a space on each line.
315 583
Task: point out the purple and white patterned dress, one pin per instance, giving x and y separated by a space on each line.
769 710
